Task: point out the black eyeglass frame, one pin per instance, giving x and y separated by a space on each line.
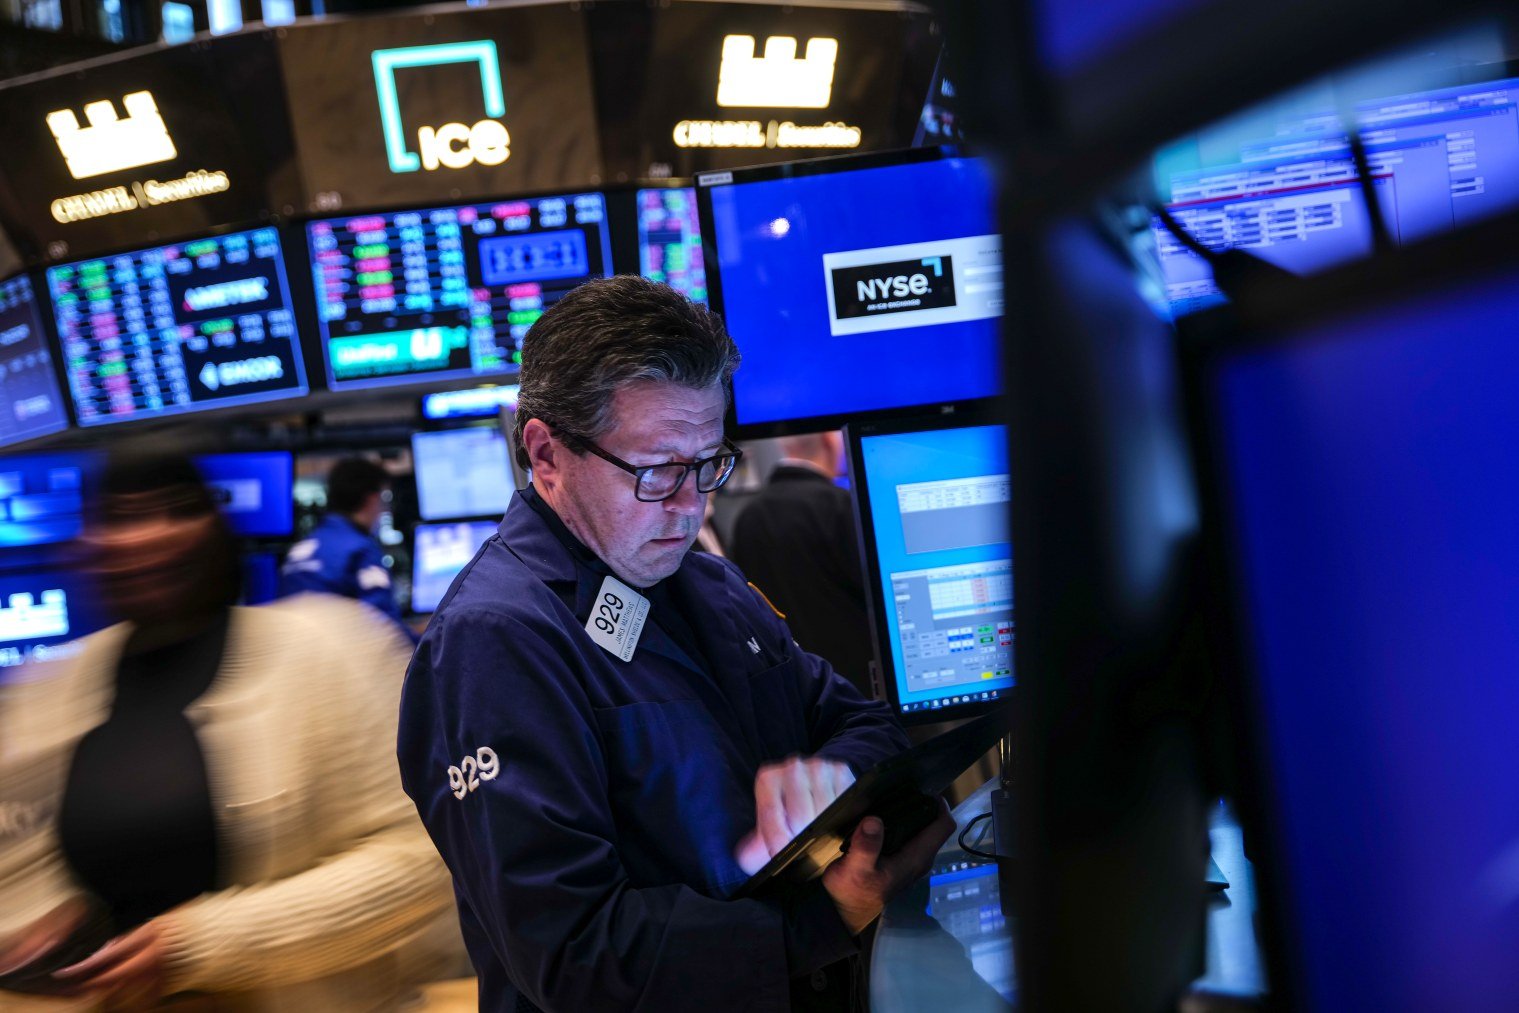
638 471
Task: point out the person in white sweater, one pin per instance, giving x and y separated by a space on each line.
203 800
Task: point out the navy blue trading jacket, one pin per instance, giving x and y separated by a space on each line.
591 869
338 558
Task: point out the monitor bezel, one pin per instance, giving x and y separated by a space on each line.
981 414
706 182
309 298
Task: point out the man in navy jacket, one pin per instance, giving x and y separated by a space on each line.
605 735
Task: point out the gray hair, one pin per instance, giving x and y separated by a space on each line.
606 334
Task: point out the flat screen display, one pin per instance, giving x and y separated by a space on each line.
669 241
449 292
261 578
461 473
441 551
255 490
1291 194
42 498
179 328
28 385
940 553
1369 495
853 290
41 611
474 403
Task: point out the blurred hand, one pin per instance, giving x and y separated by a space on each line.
788 796
129 972
862 881
42 937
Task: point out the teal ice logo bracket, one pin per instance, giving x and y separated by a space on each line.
482 143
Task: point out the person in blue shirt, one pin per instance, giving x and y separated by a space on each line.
341 555
606 734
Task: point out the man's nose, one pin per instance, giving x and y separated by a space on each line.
687 500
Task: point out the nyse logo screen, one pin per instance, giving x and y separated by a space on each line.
897 287
942 281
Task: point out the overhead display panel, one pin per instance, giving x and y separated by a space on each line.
447 292
161 145
684 87
398 110
179 328
32 403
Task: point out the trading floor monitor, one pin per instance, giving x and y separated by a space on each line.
441 551
932 496
855 286
462 473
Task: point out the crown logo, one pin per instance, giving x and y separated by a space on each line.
778 79
110 144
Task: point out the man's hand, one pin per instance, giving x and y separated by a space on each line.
862 881
129 972
788 796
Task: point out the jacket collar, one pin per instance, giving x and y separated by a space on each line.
528 531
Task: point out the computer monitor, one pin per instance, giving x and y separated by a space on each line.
669 241
1361 471
255 490
855 286
42 610
42 498
261 577
461 473
447 293
1291 195
439 553
201 324
28 385
473 403
932 495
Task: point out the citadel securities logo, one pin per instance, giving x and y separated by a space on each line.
778 80
113 144
451 145
110 144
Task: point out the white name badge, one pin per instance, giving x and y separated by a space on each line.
617 618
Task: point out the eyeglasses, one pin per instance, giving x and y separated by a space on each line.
654 483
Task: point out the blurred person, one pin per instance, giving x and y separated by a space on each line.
341 555
796 539
599 800
212 804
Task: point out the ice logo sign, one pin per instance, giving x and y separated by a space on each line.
778 79
450 145
109 143
914 284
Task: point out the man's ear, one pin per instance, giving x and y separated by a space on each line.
542 451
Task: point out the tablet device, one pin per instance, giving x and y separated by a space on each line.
903 791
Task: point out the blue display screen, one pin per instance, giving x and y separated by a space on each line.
447 292
476 402
1370 502
255 490
542 256
41 611
194 325
861 290
462 473
669 241
42 498
1438 159
28 386
261 578
440 552
938 503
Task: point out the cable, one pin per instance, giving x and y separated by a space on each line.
988 856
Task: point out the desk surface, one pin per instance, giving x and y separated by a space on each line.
944 944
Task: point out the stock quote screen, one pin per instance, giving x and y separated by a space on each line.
669 241
179 328
448 293
27 384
